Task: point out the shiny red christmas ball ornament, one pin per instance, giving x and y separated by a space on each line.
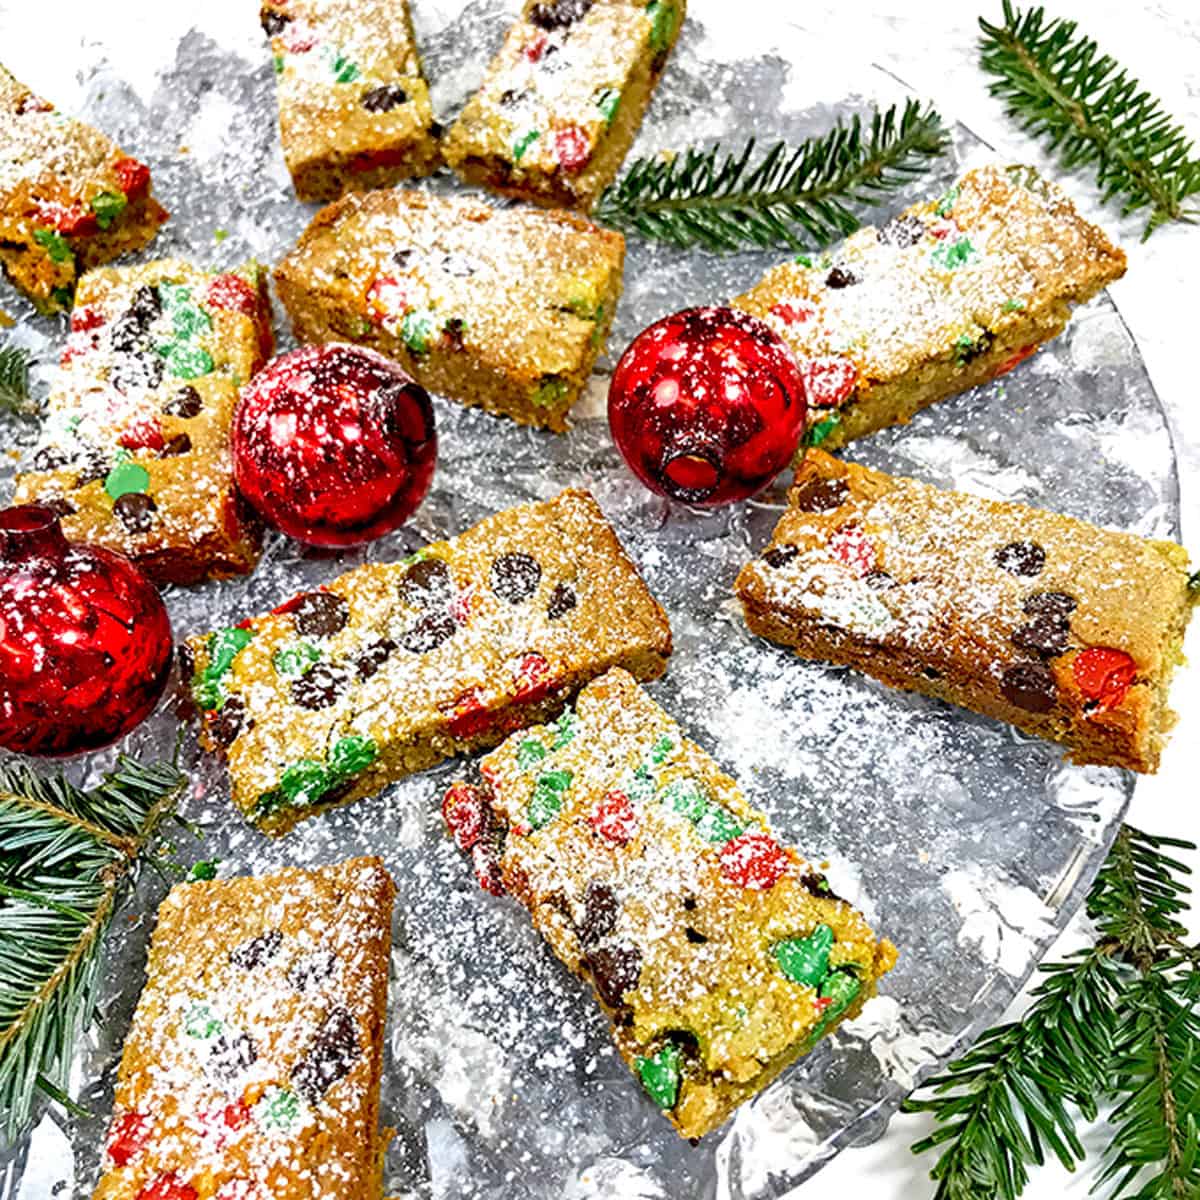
334 445
85 641
707 406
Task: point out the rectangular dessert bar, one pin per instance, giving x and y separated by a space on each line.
134 454
945 296
354 109
720 955
70 198
253 1064
502 308
1065 630
393 667
563 99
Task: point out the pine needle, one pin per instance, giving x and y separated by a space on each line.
14 379
1092 113
790 197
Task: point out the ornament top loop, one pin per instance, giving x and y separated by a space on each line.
29 531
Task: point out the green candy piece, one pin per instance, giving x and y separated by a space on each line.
552 390
293 661
822 429
686 798
946 202
278 64
522 144
841 986
661 1075
201 1022
806 960
718 826
185 361
223 647
344 70
279 1108
108 206
954 254
126 478
416 329
352 754
641 785
608 100
548 795
805 260
55 245
205 869
1012 305
188 319
663 19
565 729
64 297
661 749
305 782
529 753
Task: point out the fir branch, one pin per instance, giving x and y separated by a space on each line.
1093 113
811 192
14 379
66 858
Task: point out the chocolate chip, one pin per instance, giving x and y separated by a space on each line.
1045 635
384 98
931 673
458 265
780 556
50 458
694 936
257 951
429 633
320 614
601 908
274 23
840 277
562 600
318 688
615 971
401 258
690 903
229 1057
187 661
879 581
370 658
454 329
1029 686
228 722
94 464
902 232
59 506
136 372
559 15
515 577
127 331
135 510
1050 604
329 1058
981 345
817 885
1021 558
426 583
180 443
821 495
312 969
186 402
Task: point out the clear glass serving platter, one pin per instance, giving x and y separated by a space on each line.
967 843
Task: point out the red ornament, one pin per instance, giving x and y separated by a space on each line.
707 406
1104 675
85 642
334 445
754 860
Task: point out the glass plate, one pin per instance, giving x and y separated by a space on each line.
965 842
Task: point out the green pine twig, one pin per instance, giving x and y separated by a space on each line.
1093 113
791 195
14 379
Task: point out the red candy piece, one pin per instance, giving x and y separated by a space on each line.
85 641
68 219
239 1189
1104 675
86 318
536 48
334 445
571 148
168 1187
145 434
386 297
127 1138
851 546
707 406
795 312
829 381
132 176
614 818
533 678
754 860
298 37
821 1003
465 813
234 294
471 716
486 861
1008 364
462 604
235 1116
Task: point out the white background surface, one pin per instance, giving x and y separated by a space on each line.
933 48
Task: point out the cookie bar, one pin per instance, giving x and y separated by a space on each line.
354 108
70 198
562 101
502 308
392 667
252 1068
135 453
720 955
1066 631
945 296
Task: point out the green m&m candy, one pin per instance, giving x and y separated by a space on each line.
548 795
806 960
661 1074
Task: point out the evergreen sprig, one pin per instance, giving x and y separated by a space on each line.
66 857
14 379
813 191
1117 1022
1093 113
